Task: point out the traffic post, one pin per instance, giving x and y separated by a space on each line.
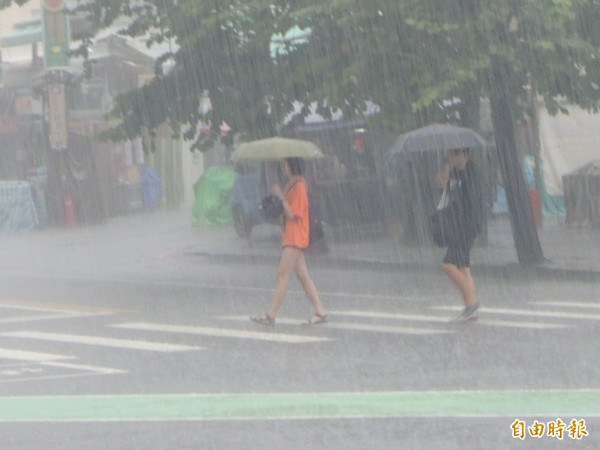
56 35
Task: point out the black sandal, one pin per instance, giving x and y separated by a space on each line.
317 319
265 319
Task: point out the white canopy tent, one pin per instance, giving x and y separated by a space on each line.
567 142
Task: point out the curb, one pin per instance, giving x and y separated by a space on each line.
499 271
563 273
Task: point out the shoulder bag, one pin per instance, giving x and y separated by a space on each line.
444 221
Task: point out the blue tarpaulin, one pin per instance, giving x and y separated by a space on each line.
17 208
151 186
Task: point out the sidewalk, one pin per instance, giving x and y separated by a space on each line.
140 242
570 253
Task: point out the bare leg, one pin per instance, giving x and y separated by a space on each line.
289 259
461 276
308 285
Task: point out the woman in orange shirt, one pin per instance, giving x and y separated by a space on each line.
295 238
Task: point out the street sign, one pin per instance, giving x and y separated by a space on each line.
56 34
57 116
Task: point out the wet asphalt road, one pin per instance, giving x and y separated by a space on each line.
147 333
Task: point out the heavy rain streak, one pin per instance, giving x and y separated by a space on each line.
338 224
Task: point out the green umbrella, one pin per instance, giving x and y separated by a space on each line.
276 148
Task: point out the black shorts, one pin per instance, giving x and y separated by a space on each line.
459 250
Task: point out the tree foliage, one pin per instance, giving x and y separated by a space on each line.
217 48
407 57
412 58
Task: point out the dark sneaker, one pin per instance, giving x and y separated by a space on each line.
469 313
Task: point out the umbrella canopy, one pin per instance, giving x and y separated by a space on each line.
437 137
276 148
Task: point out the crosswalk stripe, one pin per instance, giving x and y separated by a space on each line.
429 318
519 324
528 312
96 369
57 307
221 332
21 355
32 318
101 341
384 329
567 304
386 315
354 326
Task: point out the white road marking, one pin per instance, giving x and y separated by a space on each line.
27 307
527 312
429 318
353 326
394 316
101 341
384 329
95 369
42 317
517 324
53 311
221 332
21 355
19 364
40 377
57 307
35 369
37 373
567 304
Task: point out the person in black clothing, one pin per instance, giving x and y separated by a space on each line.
465 191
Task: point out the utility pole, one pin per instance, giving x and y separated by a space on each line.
56 64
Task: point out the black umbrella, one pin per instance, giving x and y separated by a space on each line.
437 137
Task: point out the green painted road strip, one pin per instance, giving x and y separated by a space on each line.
567 404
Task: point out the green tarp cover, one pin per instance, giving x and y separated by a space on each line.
212 205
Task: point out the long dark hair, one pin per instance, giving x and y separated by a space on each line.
296 165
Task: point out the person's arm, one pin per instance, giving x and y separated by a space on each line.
287 209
